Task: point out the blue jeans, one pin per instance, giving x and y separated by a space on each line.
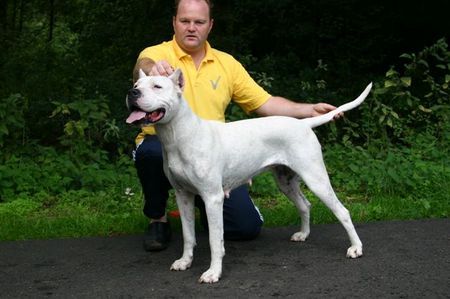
242 219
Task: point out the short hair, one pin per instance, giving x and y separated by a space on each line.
208 2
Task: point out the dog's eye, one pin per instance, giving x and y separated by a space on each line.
156 86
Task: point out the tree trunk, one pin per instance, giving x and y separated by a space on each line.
51 21
22 14
4 14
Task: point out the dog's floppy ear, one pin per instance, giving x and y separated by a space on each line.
141 74
178 78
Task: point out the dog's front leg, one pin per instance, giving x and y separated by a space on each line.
214 211
185 202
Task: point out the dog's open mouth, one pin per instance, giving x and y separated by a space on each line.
139 116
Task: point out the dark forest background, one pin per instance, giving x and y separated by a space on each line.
63 51
66 67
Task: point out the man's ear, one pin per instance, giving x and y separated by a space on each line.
178 78
141 74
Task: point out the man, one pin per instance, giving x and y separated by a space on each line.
213 79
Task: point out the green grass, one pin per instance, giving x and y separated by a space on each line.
72 215
79 215
280 211
105 199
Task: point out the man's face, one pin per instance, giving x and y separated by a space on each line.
192 25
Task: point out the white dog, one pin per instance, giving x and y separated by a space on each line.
210 158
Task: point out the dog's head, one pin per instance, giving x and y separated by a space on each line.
154 99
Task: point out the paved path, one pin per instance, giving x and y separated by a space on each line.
401 260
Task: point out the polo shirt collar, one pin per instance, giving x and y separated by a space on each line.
180 53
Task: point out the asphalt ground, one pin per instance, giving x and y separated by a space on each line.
408 259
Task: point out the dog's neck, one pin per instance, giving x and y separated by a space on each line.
183 125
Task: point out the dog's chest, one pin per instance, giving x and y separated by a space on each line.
187 172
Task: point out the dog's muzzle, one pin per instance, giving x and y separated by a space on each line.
139 116
133 95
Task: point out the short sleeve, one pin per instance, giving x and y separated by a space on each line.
246 92
156 53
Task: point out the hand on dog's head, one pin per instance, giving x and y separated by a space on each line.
177 77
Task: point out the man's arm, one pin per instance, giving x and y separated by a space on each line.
146 64
150 67
285 107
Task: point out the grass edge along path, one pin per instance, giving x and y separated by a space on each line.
25 219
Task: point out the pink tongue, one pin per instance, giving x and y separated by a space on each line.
135 116
155 115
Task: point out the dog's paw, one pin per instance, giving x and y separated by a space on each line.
210 276
299 237
354 252
181 264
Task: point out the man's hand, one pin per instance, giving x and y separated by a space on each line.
161 68
322 108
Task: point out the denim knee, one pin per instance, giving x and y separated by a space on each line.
149 166
244 230
242 220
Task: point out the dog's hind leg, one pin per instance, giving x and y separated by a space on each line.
316 178
288 182
185 202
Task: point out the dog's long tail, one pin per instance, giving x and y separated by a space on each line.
323 119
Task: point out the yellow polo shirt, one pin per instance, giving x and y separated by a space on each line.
210 88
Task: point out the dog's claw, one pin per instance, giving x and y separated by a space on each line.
210 276
354 252
299 237
181 265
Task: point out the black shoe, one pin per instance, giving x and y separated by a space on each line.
157 237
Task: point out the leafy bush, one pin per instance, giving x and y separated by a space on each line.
12 121
400 143
52 172
412 99
86 121
402 171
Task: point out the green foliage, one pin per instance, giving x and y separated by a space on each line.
12 120
86 121
64 166
45 171
411 100
264 185
407 171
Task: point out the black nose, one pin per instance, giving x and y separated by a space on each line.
134 94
